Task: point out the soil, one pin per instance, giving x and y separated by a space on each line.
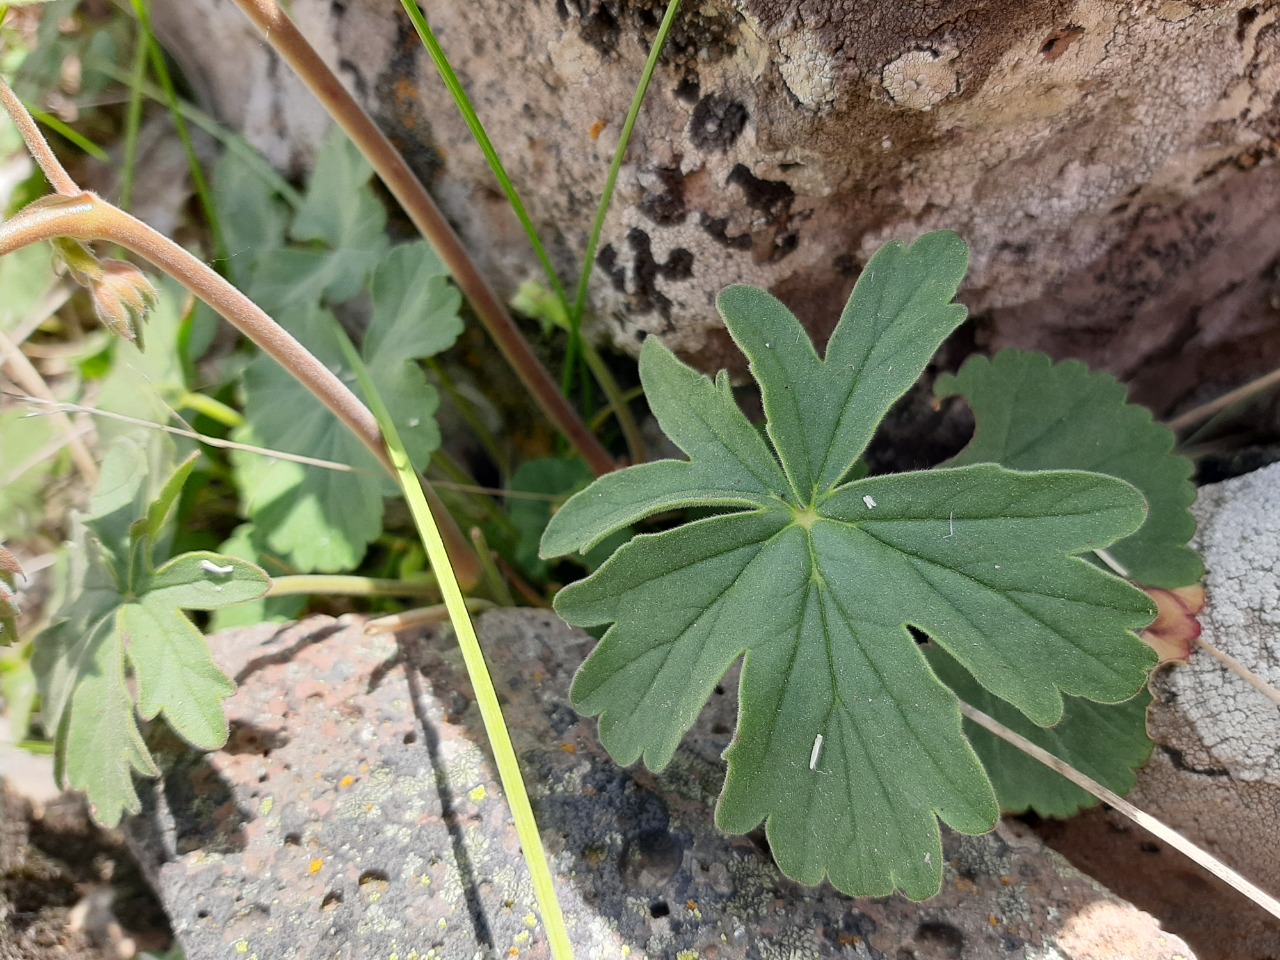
69 890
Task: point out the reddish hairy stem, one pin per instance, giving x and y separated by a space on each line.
39 147
87 217
289 43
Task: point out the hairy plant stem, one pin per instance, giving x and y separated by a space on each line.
39 148
85 216
290 44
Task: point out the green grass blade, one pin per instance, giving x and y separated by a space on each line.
463 103
133 119
606 198
198 179
64 131
486 697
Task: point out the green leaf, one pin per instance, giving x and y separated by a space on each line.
250 213
27 470
1105 741
344 220
1034 414
321 519
848 745
557 477
122 622
244 544
26 277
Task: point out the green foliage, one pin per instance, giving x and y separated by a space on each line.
550 476
341 226
120 646
1105 741
1034 414
324 519
848 745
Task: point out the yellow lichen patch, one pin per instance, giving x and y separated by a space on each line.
346 781
479 793
316 866
568 748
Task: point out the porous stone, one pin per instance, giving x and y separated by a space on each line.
355 812
1111 164
1215 773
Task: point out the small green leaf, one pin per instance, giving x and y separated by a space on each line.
1034 414
321 519
554 477
158 509
341 213
848 746
1105 741
118 610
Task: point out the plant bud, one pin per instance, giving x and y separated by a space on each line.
121 292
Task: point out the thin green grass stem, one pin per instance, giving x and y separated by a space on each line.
341 585
197 117
463 103
68 134
198 179
618 404
606 198
133 119
486 696
492 576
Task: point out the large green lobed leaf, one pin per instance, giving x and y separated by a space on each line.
1034 414
323 519
848 745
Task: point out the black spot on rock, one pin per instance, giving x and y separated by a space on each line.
941 940
687 90
717 228
717 122
772 197
667 205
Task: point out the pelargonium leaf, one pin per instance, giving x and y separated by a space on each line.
122 621
322 519
848 745
1105 741
1034 414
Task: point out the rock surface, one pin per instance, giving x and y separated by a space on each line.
1111 164
355 813
1215 773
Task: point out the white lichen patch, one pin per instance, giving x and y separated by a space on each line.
921 79
808 72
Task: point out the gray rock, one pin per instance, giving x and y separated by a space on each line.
1215 775
355 812
1111 164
